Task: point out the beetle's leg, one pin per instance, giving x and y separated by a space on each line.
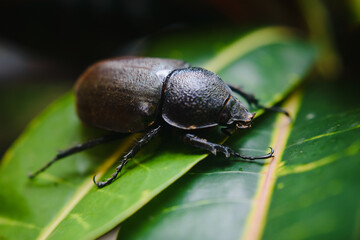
78 148
214 148
135 149
250 98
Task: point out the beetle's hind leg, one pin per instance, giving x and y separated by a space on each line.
78 148
135 149
214 148
250 98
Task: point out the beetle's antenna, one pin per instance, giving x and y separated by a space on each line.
274 109
251 99
78 148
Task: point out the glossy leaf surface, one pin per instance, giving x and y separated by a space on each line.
316 193
63 203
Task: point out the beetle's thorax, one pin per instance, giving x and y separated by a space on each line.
193 98
235 114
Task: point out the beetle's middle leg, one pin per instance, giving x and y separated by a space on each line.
135 149
214 148
250 98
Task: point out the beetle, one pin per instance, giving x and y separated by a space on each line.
140 94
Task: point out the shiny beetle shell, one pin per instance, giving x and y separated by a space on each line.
130 94
123 94
194 98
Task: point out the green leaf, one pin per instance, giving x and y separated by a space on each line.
63 203
316 191
310 190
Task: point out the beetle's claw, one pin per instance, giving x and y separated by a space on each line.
271 154
98 184
94 179
31 175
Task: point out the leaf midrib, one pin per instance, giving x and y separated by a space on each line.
256 220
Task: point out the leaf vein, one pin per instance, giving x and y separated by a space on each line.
201 203
15 223
352 150
324 135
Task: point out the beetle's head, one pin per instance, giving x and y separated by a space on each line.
235 115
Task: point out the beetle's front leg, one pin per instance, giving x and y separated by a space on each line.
214 148
251 99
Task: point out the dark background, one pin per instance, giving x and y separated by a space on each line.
45 45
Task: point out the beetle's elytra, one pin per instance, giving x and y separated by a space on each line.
136 94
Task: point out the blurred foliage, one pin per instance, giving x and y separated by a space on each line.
19 104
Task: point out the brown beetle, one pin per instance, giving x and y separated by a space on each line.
134 94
